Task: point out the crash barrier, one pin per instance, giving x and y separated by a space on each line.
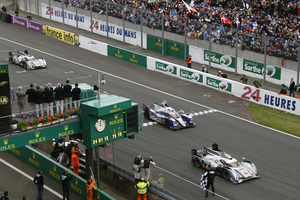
274 74
171 47
247 92
248 66
27 23
128 56
54 170
5 17
61 35
244 91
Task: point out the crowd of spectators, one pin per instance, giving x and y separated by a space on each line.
279 20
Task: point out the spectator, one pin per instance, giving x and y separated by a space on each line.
68 95
21 101
59 96
244 79
136 167
76 96
292 88
24 198
283 90
66 154
48 99
39 181
65 184
58 148
5 197
257 84
204 69
221 74
38 100
30 99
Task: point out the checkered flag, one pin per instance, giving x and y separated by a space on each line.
203 180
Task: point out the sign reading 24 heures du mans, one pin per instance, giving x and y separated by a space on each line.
40 135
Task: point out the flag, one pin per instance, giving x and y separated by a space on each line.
151 1
225 20
189 7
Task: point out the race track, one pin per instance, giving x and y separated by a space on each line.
273 152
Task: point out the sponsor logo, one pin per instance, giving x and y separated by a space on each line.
92 42
16 152
3 83
166 68
75 187
37 139
218 84
118 55
4 100
66 131
33 161
270 70
115 109
6 145
60 34
225 60
174 47
116 121
158 43
191 75
133 59
53 173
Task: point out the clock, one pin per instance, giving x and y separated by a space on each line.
100 125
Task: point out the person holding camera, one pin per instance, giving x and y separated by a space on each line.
147 163
65 184
136 167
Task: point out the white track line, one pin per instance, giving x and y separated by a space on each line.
150 88
29 177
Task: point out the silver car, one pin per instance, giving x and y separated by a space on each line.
26 60
224 165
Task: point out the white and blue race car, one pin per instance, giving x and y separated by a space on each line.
166 115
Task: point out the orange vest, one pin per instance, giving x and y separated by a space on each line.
189 60
89 189
75 161
74 149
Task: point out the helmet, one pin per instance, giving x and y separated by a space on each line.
150 158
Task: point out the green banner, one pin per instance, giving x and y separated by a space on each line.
54 170
169 69
3 69
220 59
258 68
194 76
220 84
171 47
40 135
128 56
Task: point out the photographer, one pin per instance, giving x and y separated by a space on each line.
147 163
65 184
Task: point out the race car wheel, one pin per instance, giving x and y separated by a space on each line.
197 162
146 114
167 123
226 175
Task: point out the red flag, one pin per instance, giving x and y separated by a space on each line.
225 20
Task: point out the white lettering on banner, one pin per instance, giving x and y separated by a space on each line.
212 58
116 32
252 68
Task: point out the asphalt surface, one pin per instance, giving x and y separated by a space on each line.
273 152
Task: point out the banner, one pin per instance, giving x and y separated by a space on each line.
220 59
219 84
64 36
93 45
166 68
258 68
128 56
84 22
191 75
5 100
40 135
27 23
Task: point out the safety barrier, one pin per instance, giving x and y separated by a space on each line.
54 170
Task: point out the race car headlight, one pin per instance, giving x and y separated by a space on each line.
174 123
191 120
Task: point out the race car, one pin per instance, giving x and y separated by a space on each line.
26 60
224 165
167 116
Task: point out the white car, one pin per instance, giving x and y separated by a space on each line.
26 60
224 165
